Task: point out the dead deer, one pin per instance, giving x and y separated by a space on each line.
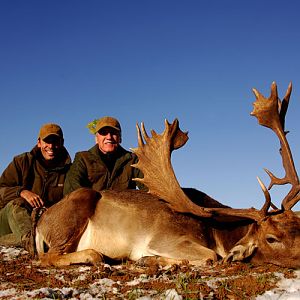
166 225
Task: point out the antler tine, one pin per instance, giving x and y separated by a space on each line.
265 208
268 202
274 180
256 93
284 105
144 132
269 114
274 92
140 139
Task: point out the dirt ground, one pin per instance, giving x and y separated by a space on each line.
22 278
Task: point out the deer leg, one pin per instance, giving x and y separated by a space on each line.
147 261
88 256
184 249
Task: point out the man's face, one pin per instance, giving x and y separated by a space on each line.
108 139
50 146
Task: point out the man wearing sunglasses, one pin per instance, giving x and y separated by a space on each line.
107 165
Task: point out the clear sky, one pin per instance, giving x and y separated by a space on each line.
72 61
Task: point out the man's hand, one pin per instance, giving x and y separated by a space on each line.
33 199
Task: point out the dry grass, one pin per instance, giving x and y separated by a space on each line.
234 281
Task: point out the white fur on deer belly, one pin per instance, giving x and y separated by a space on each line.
114 244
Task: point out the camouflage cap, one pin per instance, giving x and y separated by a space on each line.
108 122
50 129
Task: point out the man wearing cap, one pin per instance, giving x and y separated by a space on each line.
106 165
33 179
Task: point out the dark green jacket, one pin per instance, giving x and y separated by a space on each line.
90 170
27 171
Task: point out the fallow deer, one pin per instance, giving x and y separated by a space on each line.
166 225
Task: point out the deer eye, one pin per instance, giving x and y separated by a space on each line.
271 239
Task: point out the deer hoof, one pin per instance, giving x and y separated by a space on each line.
147 261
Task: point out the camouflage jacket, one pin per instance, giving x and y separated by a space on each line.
27 171
90 170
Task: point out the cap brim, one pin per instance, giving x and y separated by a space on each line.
50 135
116 128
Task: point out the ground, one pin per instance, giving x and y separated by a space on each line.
23 278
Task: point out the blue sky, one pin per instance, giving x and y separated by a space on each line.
70 62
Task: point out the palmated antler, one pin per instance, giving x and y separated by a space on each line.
155 162
271 113
154 155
